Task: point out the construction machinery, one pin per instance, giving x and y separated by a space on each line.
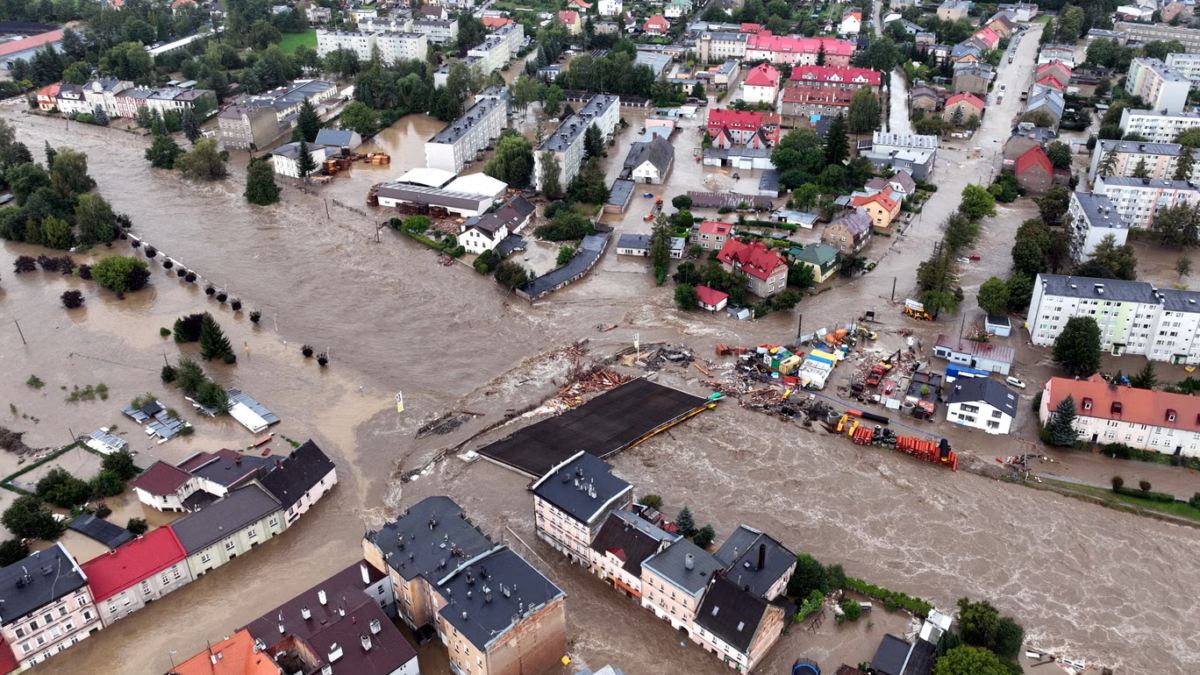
863 332
916 310
658 205
878 371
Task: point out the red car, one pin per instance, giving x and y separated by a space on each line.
973 258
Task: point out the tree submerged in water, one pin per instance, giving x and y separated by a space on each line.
307 351
72 299
255 315
322 359
235 304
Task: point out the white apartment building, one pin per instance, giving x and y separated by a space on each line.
451 148
437 31
400 23
1139 200
1158 159
1146 32
401 46
611 7
492 53
717 47
359 42
573 500
603 110
1091 218
513 34
393 46
1134 316
1158 126
1187 64
1160 86
1140 418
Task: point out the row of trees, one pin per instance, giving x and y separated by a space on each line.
936 281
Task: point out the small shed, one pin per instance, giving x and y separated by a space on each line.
712 299
998 325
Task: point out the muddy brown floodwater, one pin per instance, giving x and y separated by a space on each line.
1097 584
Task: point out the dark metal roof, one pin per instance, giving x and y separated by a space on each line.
574 126
296 474
227 467
431 538
102 531
995 394
474 115
1086 287
223 518
740 554
890 656
713 200
731 613
36 581
635 538
582 487
671 565
590 250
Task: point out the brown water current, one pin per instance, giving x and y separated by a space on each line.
1102 585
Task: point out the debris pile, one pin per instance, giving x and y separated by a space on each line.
679 355
598 380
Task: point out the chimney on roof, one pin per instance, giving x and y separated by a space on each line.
306 613
762 556
321 597
689 562
362 567
366 642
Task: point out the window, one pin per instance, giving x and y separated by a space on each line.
20 633
229 545
69 626
252 533
62 611
41 640
33 625
87 615
25 648
205 558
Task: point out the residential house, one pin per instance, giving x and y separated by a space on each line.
674 581
761 85
1063 53
1024 137
437 31
103 92
1021 11
566 142
343 620
165 487
953 10
721 46
1158 126
1140 200
1159 85
914 153
981 403
805 102
626 540
47 97
822 258
318 15
764 46
286 159
164 100
579 5
237 654
228 527
940 54
47 605
484 233
495 613
571 21
1056 69
1050 101
902 184
756 562
711 234
1002 25
883 207
299 480
248 127
136 573
611 7
653 161
606 28
850 233
1034 172
737 624
71 101
965 53
724 74
572 500
711 299
1092 217
657 26
342 139
988 38
960 108
639 245
851 23
1145 419
676 9
973 79
897 657
979 355
752 129
838 78
1173 9
766 270
924 98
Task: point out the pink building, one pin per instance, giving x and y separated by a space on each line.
572 501
798 50
45 605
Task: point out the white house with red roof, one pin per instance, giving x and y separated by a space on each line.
711 234
798 50
712 299
165 487
851 23
571 21
1140 418
839 78
752 129
137 573
761 85
766 270
657 25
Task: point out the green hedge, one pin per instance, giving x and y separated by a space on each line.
1160 497
6 482
429 242
813 603
915 605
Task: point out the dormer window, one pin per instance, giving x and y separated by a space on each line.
1116 408
1087 404
1171 415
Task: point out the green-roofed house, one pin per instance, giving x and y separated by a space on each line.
678 8
822 258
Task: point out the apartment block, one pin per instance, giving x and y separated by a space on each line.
1140 418
247 127
1159 85
437 31
1157 160
393 45
228 528
1139 200
137 573
164 99
1158 126
451 148
1146 32
1188 64
492 53
1134 317
572 501
719 46
513 34
47 606
566 143
1091 218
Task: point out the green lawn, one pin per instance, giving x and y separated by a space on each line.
292 40
1176 508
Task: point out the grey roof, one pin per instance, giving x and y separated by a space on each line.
856 222
1140 147
487 596
421 194
634 241
996 320
897 657
250 109
293 476
657 62
590 250
224 469
1099 210
154 416
671 564
1039 134
961 50
736 151
1153 183
102 531
292 150
1086 287
632 536
223 518
583 486
41 578
510 214
338 138
917 141
713 200
429 539
731 613
621 190
740 554
1047 98
769 182
658 152
995 394
905 180
574 126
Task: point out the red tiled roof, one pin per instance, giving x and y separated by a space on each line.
1137 406
657 21
755 259
131 562
1034 156
1050 81
968 97
8 660
882 198
834 74
763 75
234 655
855 14
568 17
739 119
580 4
495 21
750 28
180 2
989 36
619 552
710 296
715 227
30 42
764 41
49 91
161 479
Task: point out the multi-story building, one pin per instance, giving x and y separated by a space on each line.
1158 126
137 573
674 580
318 15
492 53
1187 64
46 605
963 107
1148 32
749 128
71 100
1155 160
495 613
766 271
882 207
720 46
1139 200
850 233
248 127
757 562
837 78
163 100
981 403
165 487
914 153
239 648
1134 317
566 143
393 45
299 480
1160 86
1091 218
953 10
761 85
103 92
1141 418
437 31
711 234
228 528
737 625
401 22
572 501
611 7
623 542
512 33
452 147
798 50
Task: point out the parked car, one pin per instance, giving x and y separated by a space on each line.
973 256
1015 382
964 260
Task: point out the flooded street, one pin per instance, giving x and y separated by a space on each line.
393 319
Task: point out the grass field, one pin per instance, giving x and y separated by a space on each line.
1177 508
292 40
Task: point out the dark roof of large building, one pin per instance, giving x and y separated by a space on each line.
1107 289
672 563
511 214
161 479
223 518
102 531
897 657
34 582
754 559
731 613
485 596
658 152
574 126
583 487
431 538
225 467
631 538
295 474
474 115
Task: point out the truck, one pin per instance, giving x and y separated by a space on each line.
916 310
876 376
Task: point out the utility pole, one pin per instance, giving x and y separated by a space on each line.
326 200
19 332
894 289
799 326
